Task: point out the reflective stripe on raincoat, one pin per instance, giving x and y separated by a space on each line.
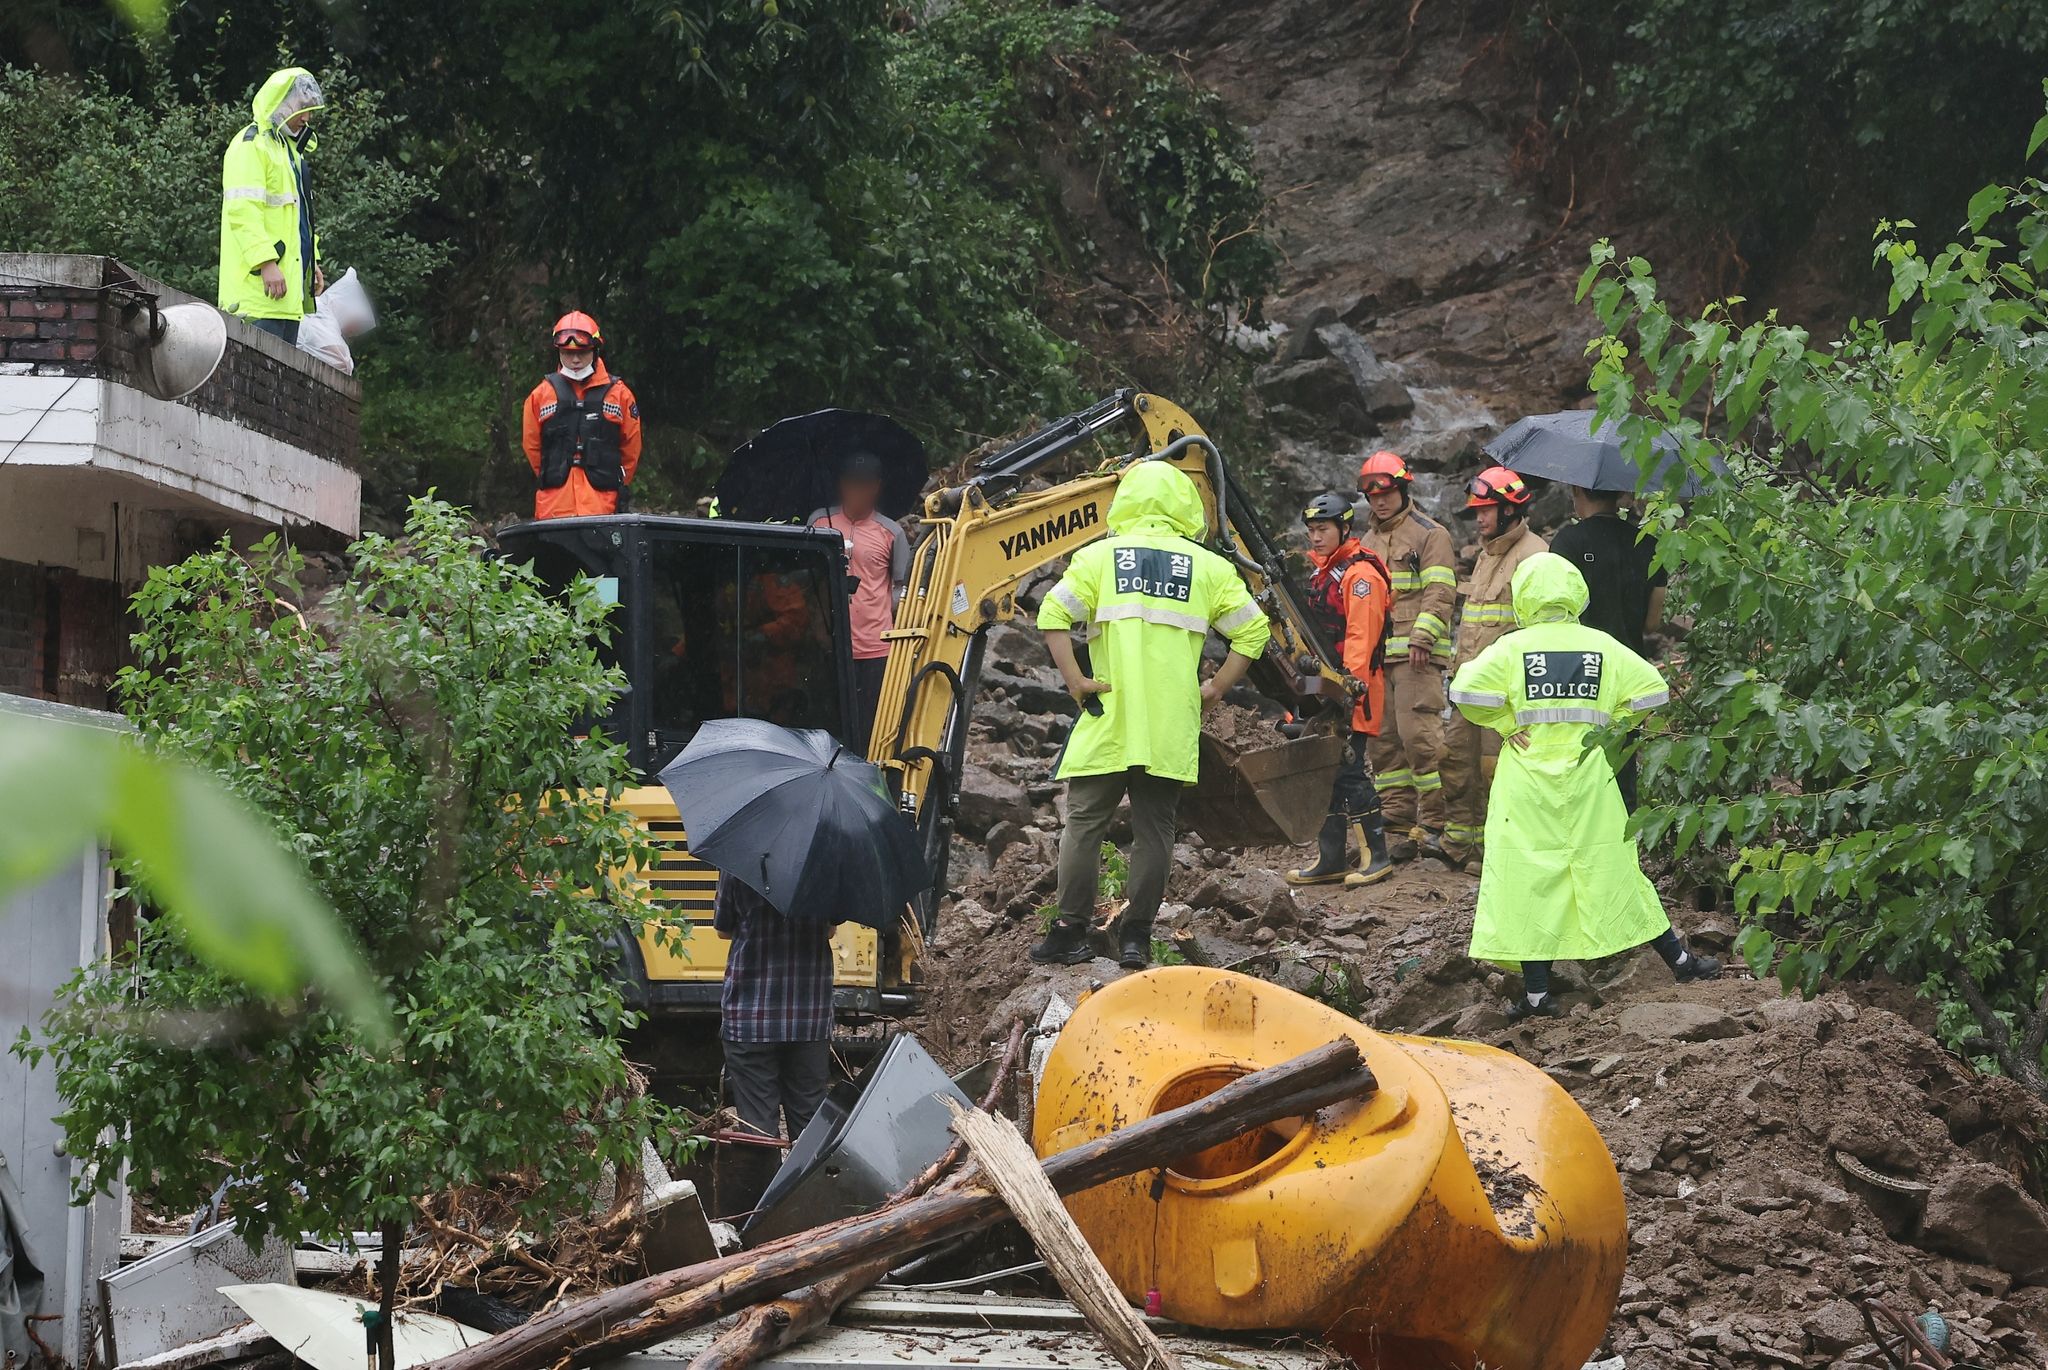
265 213
1149 596
1561 880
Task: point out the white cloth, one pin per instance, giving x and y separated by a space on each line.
340 312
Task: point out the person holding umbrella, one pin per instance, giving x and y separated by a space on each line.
805 836
1624 584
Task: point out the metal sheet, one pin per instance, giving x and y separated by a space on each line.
171 1297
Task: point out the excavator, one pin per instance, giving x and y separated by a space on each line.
1465 1214
718 618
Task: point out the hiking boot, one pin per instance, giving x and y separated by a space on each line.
1402 846
1065 944
1330 868
1696 966
1374 865
1521 1009
1137 944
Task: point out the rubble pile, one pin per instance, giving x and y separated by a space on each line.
1783 1158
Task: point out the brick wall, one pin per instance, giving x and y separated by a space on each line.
262 383
21 629
63 636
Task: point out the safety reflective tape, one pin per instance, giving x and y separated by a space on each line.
1404 581
1432 781
1397 645
1153 614
1463 832
1480 699
1489 613
1524 716
1431 624
268 197
1242 616
1439 575
1393 780
1069 601
1655 699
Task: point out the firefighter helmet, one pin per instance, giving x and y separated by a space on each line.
1384 470
1497 486
1329 507
577 329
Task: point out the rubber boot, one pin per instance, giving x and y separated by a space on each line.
1137 944
1065 944
1330 868
1402 846
1374 865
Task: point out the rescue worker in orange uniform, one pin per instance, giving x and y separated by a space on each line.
1409 748
1499 500
1351 600
582 427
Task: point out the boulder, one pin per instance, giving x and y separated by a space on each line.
1303 341
1678 1022
1015 649
987 799
1384 397
1002 835
1981 1213
1257 893
1323 389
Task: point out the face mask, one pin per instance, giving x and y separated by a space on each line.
577 373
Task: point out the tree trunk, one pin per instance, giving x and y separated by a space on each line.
637 1315
387 1294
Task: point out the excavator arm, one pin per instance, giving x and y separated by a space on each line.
983 539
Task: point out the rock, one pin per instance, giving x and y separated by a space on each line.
1834 1327
970 915
1304 340
1002 835
1323 389
1257 893
1385 398
1264 937
1981 1213
1678 1022
1014 649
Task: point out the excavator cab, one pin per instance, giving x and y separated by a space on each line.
714 619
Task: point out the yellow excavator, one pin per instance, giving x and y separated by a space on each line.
717 618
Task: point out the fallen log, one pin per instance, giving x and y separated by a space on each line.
1005 1157
767 1328
640 1314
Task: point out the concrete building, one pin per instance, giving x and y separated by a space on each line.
100 480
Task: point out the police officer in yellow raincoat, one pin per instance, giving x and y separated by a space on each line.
1148 595
1561 880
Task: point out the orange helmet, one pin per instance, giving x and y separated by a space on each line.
1382 471
577 329
1497 485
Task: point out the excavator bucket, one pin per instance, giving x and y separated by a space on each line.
1465 1214
1265 792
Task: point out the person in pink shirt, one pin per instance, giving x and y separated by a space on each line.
878 558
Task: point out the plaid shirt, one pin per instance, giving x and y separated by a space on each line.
778 971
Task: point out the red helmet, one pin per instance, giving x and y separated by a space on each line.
577 329
1384 470
1497 485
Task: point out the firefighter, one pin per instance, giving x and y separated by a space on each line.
1499 500
1349 600
1562 880
582 427
1408 749
269 251
1149 594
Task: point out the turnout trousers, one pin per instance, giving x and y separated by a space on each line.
1408 753
1469 756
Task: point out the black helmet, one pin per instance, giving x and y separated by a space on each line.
1329 507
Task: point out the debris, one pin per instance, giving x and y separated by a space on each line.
1007 1160
326 1330
237 1343
1982 1213
639 1314
1679 1021
168 1299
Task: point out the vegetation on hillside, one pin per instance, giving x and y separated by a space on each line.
771 206
1864 718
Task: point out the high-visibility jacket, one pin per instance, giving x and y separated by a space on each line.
266 212
1349 596
1424 576
1490 602
1149 596
618 412
1561 880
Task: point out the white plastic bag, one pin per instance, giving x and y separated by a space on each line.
342 311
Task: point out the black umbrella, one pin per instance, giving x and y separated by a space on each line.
799 818
792 467
1567 447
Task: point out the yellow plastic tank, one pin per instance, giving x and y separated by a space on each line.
1467 1214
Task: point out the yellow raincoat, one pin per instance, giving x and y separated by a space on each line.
266 214
1150 595
1561 880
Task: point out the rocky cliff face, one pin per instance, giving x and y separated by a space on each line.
1421 258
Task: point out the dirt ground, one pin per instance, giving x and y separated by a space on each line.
1783 1158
